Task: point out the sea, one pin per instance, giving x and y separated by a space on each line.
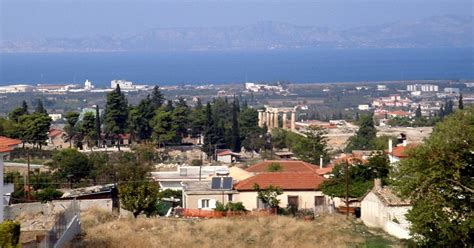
221 67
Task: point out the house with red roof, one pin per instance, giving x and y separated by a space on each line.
56 138
6 146
301 189
397 153
289 166
227 157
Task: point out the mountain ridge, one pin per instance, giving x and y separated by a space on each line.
436 31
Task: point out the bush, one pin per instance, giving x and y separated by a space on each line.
235 206
220 207
9 234
48 194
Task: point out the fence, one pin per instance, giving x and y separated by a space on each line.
65 228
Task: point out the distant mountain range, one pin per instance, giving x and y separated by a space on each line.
438 31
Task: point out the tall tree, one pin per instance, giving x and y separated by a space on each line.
164 127
116 115
157 98
16 113
418 111
39 107
87 129
35 128
198 120
364 138
71 128
98 130
313 146
181 118
437 178
461 102
210 136
141 118
235 136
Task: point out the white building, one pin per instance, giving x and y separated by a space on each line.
364 107
381 208
19 88
422 87
452 91
88 85
381 87
252 87
124 85
55 117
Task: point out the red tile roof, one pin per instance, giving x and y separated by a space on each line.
54 132
286 166
289 166
400 151
7 144
283 180
227 152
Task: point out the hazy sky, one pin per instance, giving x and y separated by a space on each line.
75 18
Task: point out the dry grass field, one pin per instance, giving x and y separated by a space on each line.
104 230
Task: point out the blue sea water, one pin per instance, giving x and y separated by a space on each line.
203 67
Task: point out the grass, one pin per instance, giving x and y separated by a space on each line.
104 230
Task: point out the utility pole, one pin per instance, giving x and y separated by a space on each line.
346 175
28 175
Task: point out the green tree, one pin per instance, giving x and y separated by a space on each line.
71 128
9 234
210 133
269 195
313 146
39 107
164 127
70 163
47 194
364 138
35 128
139 197
461 102
98 129
181 118
87 129
116 115
437 178
141 118
15 114
418 111
198 120
157 98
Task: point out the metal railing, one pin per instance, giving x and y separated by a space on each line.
67 222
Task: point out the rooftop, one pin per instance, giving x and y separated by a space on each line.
7 144
389 198
283 180
203 187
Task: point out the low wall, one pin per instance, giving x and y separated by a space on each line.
13 211
202 213
396 230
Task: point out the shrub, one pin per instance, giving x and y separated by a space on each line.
235 206
220 207
9 234
48 194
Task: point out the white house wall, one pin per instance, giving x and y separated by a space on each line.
305 198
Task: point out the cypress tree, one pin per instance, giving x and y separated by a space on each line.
98 131
24 107
157 98
116 115
40 108
418 111
235 136
461 102
209 132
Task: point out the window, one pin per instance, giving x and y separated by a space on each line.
319 200
205 203
230 197
260 204
293 201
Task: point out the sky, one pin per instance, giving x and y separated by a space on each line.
26 19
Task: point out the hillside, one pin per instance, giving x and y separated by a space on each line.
438 31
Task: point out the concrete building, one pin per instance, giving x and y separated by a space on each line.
6 146
422 87
392 101
174 179
452 91
228 157
381 87
200 195
124 85
381 208
364 107
88 85
253 87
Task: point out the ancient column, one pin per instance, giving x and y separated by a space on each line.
260 118
284 120
293 120
275 120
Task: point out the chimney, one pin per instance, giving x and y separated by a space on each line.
390 145
320 161
377 184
